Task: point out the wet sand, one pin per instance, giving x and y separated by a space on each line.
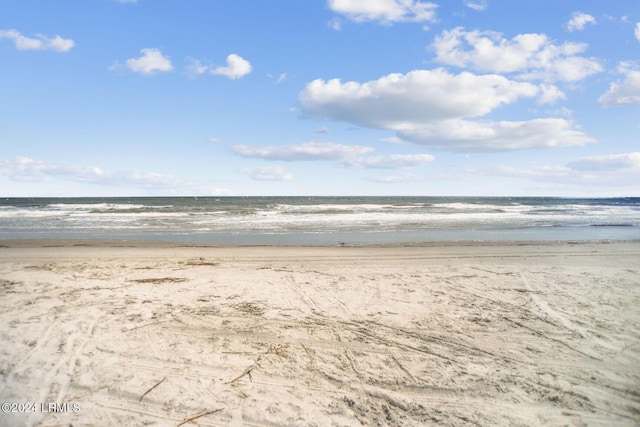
503 334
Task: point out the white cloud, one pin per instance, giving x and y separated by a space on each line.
392 161
561 112
398 179
350 156
26 169
579 20
335 24
637 31
398 101
607 170
267 173
196 68
533 56
308 151
432 108
143 179
612 162
542 173
280 78
392 140
569 69
152 60
550 94
625 92
477 136
236 68
61 45
40 42
384 11
477 5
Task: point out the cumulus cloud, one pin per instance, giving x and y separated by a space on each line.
531 56
384 11
152 60
569 69
550 94
433 108
623 92
267 173
309 151
579 20
40 42
637 31
236 67
396 101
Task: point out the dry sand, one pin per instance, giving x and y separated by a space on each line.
119 334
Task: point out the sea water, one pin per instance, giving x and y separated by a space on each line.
322 220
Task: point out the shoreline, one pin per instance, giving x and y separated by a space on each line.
489 333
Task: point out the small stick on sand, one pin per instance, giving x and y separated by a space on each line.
195 417
308 352
144 326
149 391
245 372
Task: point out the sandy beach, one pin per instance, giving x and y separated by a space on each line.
107 333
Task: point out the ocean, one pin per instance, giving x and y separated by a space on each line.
322 220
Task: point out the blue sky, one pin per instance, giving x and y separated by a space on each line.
319 97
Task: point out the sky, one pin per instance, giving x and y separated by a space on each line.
319 98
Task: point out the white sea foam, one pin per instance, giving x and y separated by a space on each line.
247 216
101 206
